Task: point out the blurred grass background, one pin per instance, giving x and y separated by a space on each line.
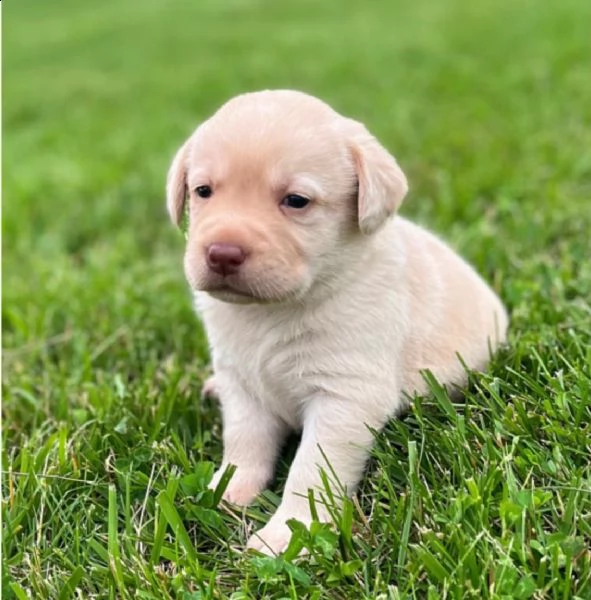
487 107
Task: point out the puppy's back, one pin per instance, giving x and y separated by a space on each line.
452 310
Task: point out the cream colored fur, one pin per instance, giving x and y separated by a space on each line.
337 307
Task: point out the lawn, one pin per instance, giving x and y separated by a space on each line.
107 448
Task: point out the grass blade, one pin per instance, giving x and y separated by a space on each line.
173 518
70 585
113 540
171 489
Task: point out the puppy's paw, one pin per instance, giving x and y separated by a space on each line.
244 487
209 390
275 536
272 539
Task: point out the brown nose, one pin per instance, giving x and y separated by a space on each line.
224 259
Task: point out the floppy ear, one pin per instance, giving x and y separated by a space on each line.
382 184
176 184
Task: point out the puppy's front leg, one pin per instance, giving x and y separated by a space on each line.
252 438
337 431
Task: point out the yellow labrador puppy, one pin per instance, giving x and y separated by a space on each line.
321 306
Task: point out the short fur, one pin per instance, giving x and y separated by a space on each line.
338 306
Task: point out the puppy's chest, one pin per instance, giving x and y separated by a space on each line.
280 375
277 369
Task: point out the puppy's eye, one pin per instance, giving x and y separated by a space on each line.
203 191
295 201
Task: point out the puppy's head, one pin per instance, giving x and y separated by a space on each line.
278 187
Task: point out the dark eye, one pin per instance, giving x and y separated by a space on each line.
295 201
203 191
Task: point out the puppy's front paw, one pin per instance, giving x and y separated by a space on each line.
275 536
244 487
272 539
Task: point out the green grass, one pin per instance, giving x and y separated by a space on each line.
107 449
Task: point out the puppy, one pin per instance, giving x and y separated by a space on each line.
321 306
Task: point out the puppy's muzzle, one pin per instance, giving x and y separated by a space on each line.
225 259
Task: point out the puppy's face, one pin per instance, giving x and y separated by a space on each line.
277 185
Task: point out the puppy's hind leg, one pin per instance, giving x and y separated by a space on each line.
209 389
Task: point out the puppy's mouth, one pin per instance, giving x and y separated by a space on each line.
236 290
264 283
231 289
229 293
